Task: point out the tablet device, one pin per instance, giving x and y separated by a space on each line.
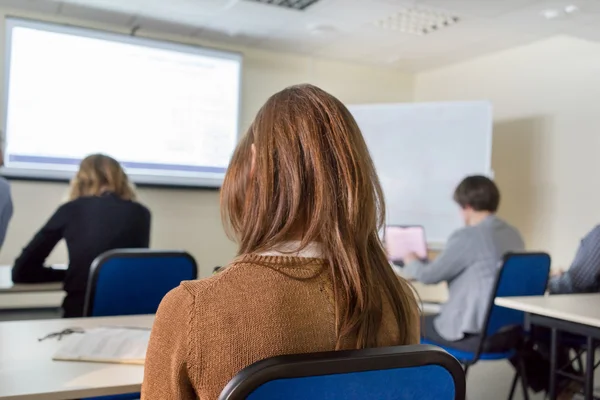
400 240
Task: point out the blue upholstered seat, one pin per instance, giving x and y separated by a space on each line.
399 373
134 281
521 274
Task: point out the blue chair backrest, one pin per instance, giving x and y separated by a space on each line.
134 281
521 274
400 373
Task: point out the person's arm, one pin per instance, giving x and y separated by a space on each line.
6 214
166 370
584 272
29 266
451 262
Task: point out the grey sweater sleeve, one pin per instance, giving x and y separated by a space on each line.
6 209
584 274
451 262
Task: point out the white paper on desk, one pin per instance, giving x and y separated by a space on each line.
400 241
110 345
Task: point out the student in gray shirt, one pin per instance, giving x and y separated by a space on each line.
469 264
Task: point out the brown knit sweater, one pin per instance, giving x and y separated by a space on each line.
259 307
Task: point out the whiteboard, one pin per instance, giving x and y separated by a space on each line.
421 152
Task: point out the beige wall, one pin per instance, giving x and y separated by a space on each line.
545 140
546 134
189 219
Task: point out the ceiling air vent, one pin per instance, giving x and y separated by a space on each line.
417 21
299 5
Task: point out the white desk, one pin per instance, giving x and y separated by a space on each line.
431 293
430 297
577 308
20 296
426 293
577 314
27 371
428 308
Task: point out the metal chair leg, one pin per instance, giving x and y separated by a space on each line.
589 370
513 387
579 361
523 376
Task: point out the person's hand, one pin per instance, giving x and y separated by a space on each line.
410 257
555 273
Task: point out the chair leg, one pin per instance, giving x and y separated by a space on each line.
523 376
466 368
513 387
579 361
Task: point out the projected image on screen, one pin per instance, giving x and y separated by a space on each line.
168 112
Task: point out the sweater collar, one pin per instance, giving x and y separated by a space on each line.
292 249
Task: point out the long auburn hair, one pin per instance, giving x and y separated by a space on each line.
311 178
98 174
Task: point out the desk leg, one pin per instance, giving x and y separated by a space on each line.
588 390
553 352
527 323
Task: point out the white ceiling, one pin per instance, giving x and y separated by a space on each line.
485 25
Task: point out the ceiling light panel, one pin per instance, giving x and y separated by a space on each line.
299 5
417 21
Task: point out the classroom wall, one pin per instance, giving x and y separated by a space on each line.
190 219
546 134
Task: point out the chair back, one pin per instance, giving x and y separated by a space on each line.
134 281
521 274
402 373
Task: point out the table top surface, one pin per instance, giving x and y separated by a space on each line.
7 285
27 370
426 293
577 308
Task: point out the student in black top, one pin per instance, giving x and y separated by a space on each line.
102 215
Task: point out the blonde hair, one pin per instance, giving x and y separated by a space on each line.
99 174
313 178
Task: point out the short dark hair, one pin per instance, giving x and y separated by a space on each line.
478 192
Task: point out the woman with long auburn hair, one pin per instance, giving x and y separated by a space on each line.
303 201
101 215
